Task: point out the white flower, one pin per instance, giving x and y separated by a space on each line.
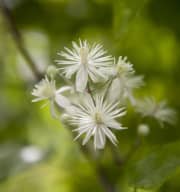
46 90
160 111
123 87
95 117
124 81
123 67
86 62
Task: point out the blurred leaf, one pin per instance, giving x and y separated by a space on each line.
152 170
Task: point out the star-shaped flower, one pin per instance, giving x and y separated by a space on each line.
95 117
46 90
86 62
124 81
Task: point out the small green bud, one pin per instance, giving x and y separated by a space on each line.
51 71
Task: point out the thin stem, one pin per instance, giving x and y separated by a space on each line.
117 157
108 86
106 184
133 149
18 38
90 92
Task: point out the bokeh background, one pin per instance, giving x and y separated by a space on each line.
37 153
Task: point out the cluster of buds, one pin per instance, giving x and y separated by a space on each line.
97 93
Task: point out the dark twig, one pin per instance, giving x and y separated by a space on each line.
18 38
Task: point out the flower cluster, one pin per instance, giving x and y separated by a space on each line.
97 92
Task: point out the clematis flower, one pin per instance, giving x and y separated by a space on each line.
124 67
124 81
46 90
86 62
96 117
159 111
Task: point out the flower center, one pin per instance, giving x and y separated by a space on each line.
98 118
47 91
121 70
84 55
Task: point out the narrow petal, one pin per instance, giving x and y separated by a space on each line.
114 124
99 139
63 89
110 135
52 110
88 135
115 90
62 101
81 79
38 99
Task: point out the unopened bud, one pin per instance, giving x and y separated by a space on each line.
143 129
52 71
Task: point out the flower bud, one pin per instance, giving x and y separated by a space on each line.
51 71
143 129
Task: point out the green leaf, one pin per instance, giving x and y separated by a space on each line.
154 169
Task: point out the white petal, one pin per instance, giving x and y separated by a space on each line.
88 135
62 101
99 139
81 79
38 99
114 124
63 89
52 109
110 135
78 136
115 90
131 98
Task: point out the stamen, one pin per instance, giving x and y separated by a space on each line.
98 118
84 55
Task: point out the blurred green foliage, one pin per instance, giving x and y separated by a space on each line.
147 31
